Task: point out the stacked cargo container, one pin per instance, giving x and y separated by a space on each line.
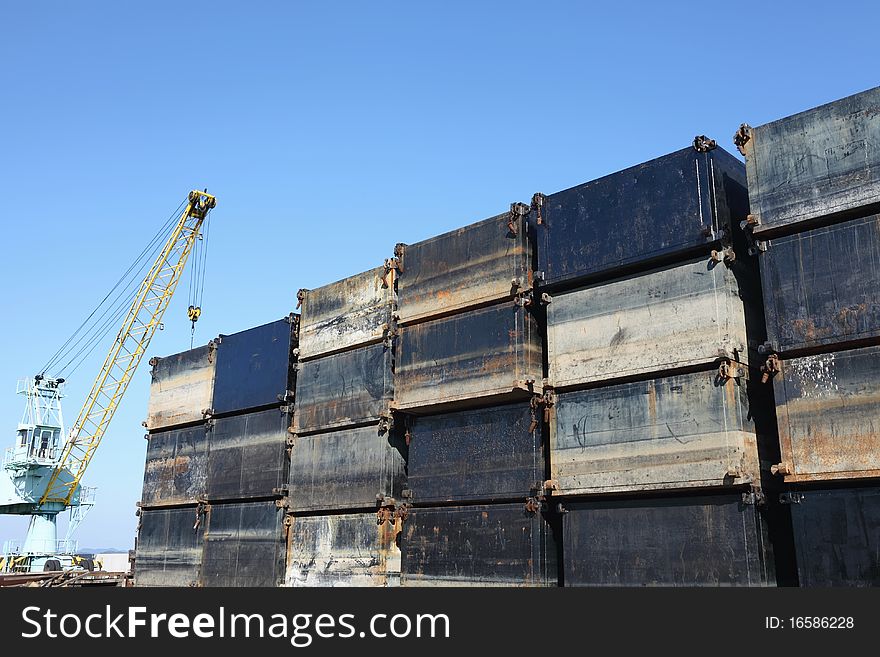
348 460
656 436
467 387
217 462
814 188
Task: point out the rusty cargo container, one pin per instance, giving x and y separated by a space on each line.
169 546
255 368
485 356
350 388
665 209
176 470
484 262
681 316
484 545
683 431
354 468
828 411
837 536
352 312
478 455
182 388
245 545
248 455
350 549
822 286
824 162
703 540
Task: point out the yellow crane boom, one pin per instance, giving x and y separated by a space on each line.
138 328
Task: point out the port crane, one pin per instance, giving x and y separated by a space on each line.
43 470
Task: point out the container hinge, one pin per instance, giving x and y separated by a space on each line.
301 296
544 403
729 370
758 246
386 421
207 413
702 144
533 504
391 265
386 509
538 207
753 498
725 255
286 396
402 511
749 222
517 211
388 335
791 497
781 469
282 502
742 137
201 509
770 368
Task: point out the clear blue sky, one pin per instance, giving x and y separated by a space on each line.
331 131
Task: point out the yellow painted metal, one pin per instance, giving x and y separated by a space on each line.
138 328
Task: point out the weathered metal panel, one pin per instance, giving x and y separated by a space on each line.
837 536
346 469
245 545
664 208
478 455
492 354
680 316
351 312
248 454
345 389
828 411
176 469
169 547
182 388
349 549
822 286
677 541
486 545
484 262
821 162
683 431
255 367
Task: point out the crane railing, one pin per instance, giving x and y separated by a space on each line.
138 328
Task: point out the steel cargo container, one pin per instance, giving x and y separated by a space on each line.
822 286
819 163
351 312
176 469
345 389
255 368
837 536
828 411
486 545
248 454
477 455
351 549
245 545
346 469
683 431
182 388
485 356
169 546
663 209
677 541
681 316
472 266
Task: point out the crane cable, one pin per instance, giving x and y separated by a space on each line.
197 278
93 330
